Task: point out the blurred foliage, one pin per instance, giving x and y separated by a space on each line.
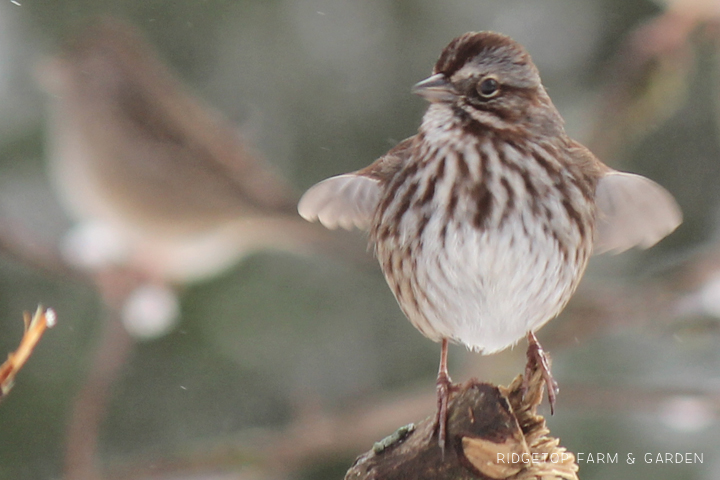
322 87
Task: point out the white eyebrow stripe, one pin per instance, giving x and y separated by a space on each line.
465 73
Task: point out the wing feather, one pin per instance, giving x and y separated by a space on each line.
632 211
345 201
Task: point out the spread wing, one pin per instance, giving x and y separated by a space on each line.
632 211
345 201
350 200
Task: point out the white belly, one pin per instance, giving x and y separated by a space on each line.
470 250
488 289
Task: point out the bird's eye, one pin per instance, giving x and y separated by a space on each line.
488 88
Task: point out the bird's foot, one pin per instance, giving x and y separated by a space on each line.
538 359
444 388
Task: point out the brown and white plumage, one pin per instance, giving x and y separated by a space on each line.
483 222
139 160
631 210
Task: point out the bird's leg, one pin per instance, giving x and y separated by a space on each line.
536 358
444 387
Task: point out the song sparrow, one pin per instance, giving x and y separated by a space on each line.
133 151
484 221
159 183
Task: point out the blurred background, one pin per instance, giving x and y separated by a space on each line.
288 366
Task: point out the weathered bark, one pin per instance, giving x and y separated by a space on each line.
494 433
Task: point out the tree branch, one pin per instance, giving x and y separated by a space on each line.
493 433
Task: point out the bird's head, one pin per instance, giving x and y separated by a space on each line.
490 79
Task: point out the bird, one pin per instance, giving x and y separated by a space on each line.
484 221
155 179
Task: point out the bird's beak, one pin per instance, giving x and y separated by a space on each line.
435 88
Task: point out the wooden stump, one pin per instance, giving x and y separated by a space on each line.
494 433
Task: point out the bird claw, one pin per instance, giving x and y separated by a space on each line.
538 359
444 388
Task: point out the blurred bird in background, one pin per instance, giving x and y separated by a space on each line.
158 182
164 192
